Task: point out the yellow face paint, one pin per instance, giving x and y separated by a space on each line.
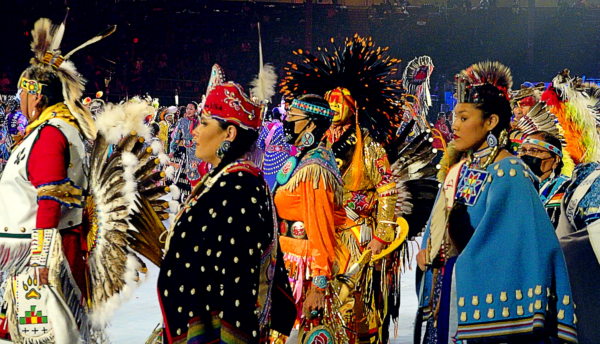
341 101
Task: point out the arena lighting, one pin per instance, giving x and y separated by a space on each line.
135 40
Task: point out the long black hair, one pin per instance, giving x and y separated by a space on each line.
242 144
495 102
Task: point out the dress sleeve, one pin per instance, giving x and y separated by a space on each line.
264 132
380 175
318 214
48 164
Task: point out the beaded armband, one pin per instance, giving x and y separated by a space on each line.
320 282
64 192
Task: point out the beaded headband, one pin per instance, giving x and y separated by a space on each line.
314 109
31 86
543 144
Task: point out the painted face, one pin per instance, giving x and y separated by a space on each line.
208 135
342 103
468 127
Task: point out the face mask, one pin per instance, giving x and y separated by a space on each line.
535 164
288 129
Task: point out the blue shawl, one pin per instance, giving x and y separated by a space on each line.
511 278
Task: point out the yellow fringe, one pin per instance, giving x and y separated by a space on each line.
569 164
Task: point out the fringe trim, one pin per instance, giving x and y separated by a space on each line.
13 324
14 254
59 275
297 266
316 173
348 240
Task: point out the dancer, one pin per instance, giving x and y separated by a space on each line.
356 81
216 278
182 152
308 197
276 150
542 153
527 112
67 265
575 105
489 211
166 126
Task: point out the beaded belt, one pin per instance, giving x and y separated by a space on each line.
276 148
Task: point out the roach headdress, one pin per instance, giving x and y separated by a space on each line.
363 69
471 82
55 76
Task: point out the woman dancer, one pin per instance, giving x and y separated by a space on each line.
215 281
495 270
308 200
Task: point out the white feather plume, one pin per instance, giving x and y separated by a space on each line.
263 87
157 147
170 173
173 207
164 159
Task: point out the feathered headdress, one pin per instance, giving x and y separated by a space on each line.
54 75
415 81
576 106
469 82
528 91
363 69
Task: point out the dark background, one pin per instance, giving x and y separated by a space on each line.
161 45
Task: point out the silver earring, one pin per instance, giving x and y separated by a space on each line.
223 148
492 140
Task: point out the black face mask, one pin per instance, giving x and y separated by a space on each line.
535 164
288 129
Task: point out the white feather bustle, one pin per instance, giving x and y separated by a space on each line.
100 317
110 123
121 119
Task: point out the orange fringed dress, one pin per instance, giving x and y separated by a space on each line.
309 206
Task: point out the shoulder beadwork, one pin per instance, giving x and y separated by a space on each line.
323 157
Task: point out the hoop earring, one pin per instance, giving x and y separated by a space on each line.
492 140
223 148
308 139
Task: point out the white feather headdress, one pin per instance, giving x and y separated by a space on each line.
48 62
